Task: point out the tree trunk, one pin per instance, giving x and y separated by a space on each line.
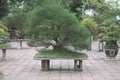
91 40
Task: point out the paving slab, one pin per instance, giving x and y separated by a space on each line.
19 64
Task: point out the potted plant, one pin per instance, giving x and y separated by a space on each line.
3 38
4 46
53 25
111 35
111 49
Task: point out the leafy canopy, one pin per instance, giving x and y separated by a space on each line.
53 22
111 30
3 8
90 24
3 30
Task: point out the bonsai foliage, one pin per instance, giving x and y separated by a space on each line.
51 22
111 32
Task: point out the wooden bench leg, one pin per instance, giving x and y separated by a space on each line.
78 65
45 65
75 64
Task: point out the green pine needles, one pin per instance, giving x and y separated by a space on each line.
60 53
53 22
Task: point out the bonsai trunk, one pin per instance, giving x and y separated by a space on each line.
58 44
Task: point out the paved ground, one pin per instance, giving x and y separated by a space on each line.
20 65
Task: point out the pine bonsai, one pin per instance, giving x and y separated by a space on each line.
51 22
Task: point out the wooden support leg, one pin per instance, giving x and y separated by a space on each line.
45 65
75 65
78 65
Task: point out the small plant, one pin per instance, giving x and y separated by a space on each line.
4 45
1 73
110 34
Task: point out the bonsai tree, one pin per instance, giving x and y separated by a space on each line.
110 34
105 14
54 25
3 35
51 22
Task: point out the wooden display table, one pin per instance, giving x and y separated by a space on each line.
45 63
60 54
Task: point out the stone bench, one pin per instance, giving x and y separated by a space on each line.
45 63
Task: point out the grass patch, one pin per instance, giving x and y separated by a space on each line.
60 53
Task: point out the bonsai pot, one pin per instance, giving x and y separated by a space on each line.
111 49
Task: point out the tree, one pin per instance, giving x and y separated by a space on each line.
17 20
3 30
76 7
79 7
3 8
91 25
29 5
107 18
54 23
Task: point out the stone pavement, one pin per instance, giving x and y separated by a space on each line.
20 65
